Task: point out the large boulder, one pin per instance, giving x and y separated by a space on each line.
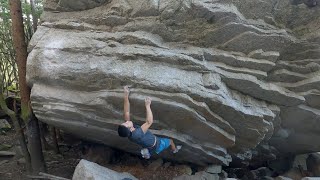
229 79
88 170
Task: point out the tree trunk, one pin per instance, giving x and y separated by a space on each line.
20 46
21 54
34 16
37 159
54 140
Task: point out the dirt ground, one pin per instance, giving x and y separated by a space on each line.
11 169
72 152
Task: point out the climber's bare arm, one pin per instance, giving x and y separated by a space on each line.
126 105
149 116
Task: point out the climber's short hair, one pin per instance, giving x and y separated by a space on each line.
123 131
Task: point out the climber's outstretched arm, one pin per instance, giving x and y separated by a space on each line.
126 105
149 116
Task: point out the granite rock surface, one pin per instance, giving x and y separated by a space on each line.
230 80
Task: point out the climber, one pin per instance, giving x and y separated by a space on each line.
140 134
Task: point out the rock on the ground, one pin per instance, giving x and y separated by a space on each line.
225 76
198 176
313 164
258 173
301 161
236 172
282 165
88 170
223 174
183 169
294 173
214 169
4 124
21 160
266 178
283 178
310 178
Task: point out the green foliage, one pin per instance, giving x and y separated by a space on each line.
26 8
7 63
38 7
12 88
8 66
4 4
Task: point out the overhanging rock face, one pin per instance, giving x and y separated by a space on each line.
226 79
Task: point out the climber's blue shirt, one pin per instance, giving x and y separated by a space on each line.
146 140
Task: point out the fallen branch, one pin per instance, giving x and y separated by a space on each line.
35 177
7 153
52 177
46 176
